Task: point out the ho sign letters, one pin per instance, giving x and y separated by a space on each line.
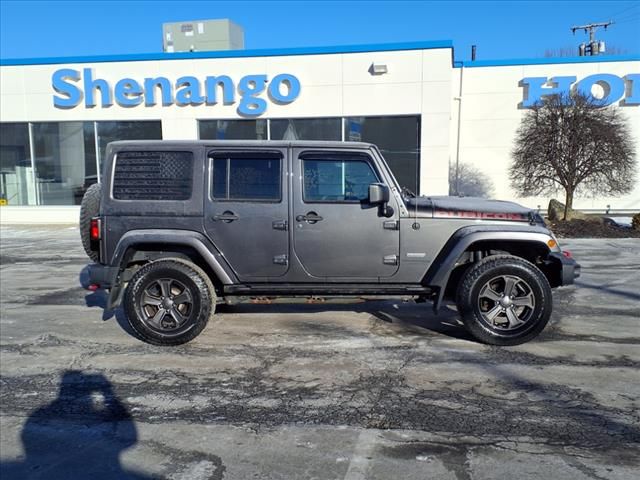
615 88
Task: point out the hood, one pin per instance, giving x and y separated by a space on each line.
472 208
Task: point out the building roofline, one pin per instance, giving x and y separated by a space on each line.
269 52
545 61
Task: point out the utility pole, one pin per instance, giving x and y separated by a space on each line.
594 47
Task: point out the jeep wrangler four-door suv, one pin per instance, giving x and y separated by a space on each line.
177 227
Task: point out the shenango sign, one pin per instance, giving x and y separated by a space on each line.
72 87
615 88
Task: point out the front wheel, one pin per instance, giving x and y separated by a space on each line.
504 300
169 301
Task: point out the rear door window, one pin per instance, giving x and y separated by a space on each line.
253 176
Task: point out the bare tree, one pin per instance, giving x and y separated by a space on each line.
468 181
571 142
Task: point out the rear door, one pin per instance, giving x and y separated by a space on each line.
337 234
246 213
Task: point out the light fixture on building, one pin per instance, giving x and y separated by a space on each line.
378 69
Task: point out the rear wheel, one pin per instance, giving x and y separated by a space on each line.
504 300
169 301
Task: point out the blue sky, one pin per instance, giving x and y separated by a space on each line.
506 29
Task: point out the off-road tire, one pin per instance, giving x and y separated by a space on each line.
184 272
89 208
477 276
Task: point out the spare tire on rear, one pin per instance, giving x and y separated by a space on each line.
89 208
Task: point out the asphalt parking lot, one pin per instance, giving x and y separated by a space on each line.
375 390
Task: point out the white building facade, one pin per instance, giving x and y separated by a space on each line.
426 112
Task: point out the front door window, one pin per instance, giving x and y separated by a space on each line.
345 180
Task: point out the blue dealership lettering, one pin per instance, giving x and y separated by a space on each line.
127 92
612 85
71 95
71 86
634 97
292 84
211 85
249 87
535 88
150 85
615 88
188 91
91 85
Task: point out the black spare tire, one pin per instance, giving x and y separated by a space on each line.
89 208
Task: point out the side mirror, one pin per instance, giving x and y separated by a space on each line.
378 194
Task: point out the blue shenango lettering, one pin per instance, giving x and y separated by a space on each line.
71 87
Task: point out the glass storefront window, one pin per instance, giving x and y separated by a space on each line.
16 174
398 138
65 158
233 129
135 130
306 129
65 161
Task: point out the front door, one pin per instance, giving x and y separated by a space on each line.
246 211
337 234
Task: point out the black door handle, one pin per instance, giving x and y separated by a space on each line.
311 217
226 217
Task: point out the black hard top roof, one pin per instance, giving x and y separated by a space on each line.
241 143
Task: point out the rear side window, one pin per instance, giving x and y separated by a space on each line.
251 176
153 176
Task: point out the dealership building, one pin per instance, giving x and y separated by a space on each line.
426 111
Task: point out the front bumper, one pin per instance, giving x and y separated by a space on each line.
569 269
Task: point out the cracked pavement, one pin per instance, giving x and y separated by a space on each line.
347 390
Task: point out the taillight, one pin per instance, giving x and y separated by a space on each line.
94 231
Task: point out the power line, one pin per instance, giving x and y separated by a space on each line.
616 16
594 47
633 20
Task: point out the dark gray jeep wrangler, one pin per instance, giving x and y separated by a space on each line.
177 227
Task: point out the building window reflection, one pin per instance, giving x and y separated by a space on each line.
398 138
66 157
136 130
306 129
16 173
233 129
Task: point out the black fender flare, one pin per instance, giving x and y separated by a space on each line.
195 240
439 271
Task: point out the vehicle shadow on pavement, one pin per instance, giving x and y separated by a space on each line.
606 289
80 434
397 318
404 318
99 298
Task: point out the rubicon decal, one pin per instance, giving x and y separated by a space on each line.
72 87
517 217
